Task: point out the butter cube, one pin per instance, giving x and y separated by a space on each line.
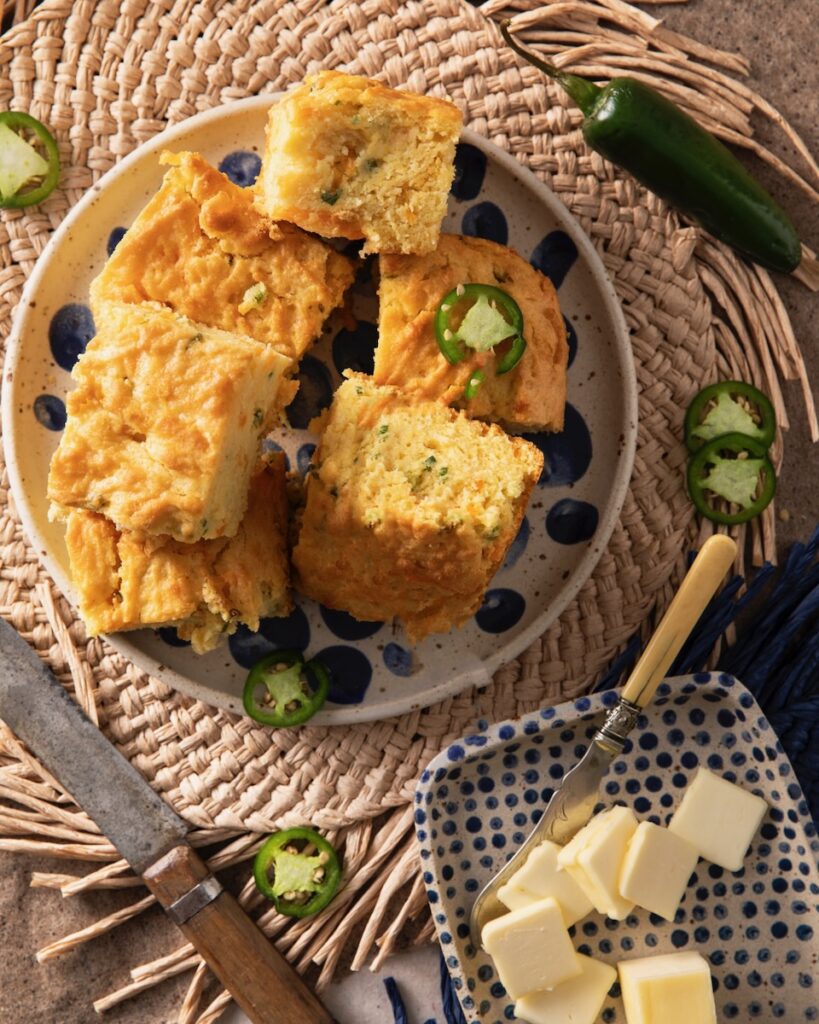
718 818
656 869
531 948
670 989
540 877
576 1001
595 856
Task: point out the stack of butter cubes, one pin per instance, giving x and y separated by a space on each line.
612 865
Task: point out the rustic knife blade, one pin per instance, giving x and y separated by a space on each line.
38 709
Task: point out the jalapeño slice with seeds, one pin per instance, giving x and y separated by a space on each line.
283 690
27 176
729 407
479 317
298 871
736 469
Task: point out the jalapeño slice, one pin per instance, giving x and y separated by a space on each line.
736 468
21 164
729 407
491 317
283 690
298 871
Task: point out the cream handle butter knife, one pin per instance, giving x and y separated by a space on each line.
572 803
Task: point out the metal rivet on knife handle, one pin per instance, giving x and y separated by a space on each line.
195 899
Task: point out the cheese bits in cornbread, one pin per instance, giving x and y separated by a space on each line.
203 249
410 508
346 156
130 580
531 948
532 396
164 423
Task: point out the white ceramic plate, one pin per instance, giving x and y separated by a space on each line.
571 515
479 799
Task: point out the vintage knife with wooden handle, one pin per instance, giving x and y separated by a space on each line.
151 837
572 803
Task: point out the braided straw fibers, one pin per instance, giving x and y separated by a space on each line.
108 75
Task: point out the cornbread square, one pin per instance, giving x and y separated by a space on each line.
164 423
202 248
656 869
346 156
718 818
131 580
410 508
531 949
576 1001
674 988
532 395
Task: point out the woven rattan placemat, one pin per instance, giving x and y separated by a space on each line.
108 75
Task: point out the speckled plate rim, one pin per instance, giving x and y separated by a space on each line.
489 737
340 715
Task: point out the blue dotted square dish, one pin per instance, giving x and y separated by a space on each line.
478 800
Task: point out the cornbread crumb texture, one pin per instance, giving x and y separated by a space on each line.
410 509
163 424
130 580
202 248
345 156
532 396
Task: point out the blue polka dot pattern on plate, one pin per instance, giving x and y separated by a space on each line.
567 455
49 411
242 167
554 256
355 350
315 392
350 673
304 457
171 638
269 445
750 936
292 632
518 545
570 521
345 627
502 609
70 330
571 339
116 236
470 170
486 220
398 659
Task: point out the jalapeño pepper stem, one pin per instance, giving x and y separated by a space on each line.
583 92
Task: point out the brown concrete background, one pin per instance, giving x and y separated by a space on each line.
782 43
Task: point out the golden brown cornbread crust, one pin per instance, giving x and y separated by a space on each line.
386 532
200 244
129 580
348 157
532 396
164 423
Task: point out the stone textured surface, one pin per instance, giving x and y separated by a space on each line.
780 41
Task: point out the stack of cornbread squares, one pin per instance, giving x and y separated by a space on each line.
173 515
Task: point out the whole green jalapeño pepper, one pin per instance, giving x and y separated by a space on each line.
282 690
637 128
298 871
